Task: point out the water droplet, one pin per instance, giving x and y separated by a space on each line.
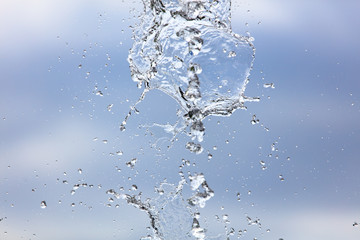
43 204
80 171
131 163
99 93
232 54
109 107
269 85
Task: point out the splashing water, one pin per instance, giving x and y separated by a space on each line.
171 216
187 50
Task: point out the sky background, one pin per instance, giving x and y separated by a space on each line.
56 55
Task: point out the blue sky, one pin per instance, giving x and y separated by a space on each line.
52 121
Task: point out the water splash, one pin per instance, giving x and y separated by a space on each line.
171 216
186 49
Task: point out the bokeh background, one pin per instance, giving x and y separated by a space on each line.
66 88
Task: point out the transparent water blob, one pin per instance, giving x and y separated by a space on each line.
186 49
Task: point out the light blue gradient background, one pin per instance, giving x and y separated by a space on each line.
50 116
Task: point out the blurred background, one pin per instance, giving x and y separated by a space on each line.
66 88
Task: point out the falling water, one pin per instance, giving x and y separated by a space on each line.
186 49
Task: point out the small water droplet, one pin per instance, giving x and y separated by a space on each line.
269 85
281 177
232 54
109 107
131 163
43 204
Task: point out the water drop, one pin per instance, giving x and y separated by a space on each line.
109 107
131 163
269 85
43 204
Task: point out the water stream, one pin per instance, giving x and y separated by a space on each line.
188 50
